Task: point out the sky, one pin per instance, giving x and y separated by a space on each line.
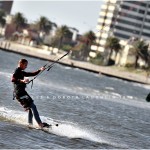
82 15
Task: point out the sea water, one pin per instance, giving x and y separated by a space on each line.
93 111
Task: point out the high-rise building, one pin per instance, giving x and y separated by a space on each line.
6 6
124 20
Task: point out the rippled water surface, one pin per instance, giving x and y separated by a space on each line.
92 111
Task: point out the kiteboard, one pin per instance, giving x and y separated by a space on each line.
45 129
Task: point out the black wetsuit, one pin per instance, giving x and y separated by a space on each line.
19 87
22 96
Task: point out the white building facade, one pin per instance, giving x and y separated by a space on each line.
124 20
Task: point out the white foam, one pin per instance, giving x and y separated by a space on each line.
66 129
116 94
109 88
71 130
129 97
75 132
12 115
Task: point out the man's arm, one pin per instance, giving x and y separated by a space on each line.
17 81
15 77
18 77
30 74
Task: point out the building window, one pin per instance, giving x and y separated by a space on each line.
130 8
137 3
129 23
119 35
146 27
146 34
130 16
127 29
147 20
142 11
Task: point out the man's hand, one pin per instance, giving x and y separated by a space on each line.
25 80
42 68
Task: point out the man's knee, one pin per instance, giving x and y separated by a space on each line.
33 106
25 101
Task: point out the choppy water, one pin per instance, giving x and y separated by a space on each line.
93 112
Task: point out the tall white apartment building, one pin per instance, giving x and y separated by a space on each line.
124 20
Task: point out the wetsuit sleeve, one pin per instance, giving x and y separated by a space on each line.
15 77
29 74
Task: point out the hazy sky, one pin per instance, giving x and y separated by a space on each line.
82 15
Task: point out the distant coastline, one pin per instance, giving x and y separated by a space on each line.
46 55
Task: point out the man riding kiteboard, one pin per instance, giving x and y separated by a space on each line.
22 96
20 93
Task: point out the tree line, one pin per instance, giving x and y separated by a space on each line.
61 39
140 50
82 46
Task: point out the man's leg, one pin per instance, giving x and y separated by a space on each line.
30 117
27 102
37 117
35 113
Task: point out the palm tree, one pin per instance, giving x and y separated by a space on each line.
2 18
88 39
19 20
61 33
140 49
45 25
112 44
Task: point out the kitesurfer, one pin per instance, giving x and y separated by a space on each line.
22 96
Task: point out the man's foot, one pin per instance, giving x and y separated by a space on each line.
30 126
44 125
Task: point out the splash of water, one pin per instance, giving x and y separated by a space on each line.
67 129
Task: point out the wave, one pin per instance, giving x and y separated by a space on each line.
67 129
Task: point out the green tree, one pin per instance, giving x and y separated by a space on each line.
112 44
2 18
88 39
140 49
77 51
61 33
45 25
19 20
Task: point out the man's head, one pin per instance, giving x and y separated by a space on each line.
23 63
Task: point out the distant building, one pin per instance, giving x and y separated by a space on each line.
6 6
75 33
124 20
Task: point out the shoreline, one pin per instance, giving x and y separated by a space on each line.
46 55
